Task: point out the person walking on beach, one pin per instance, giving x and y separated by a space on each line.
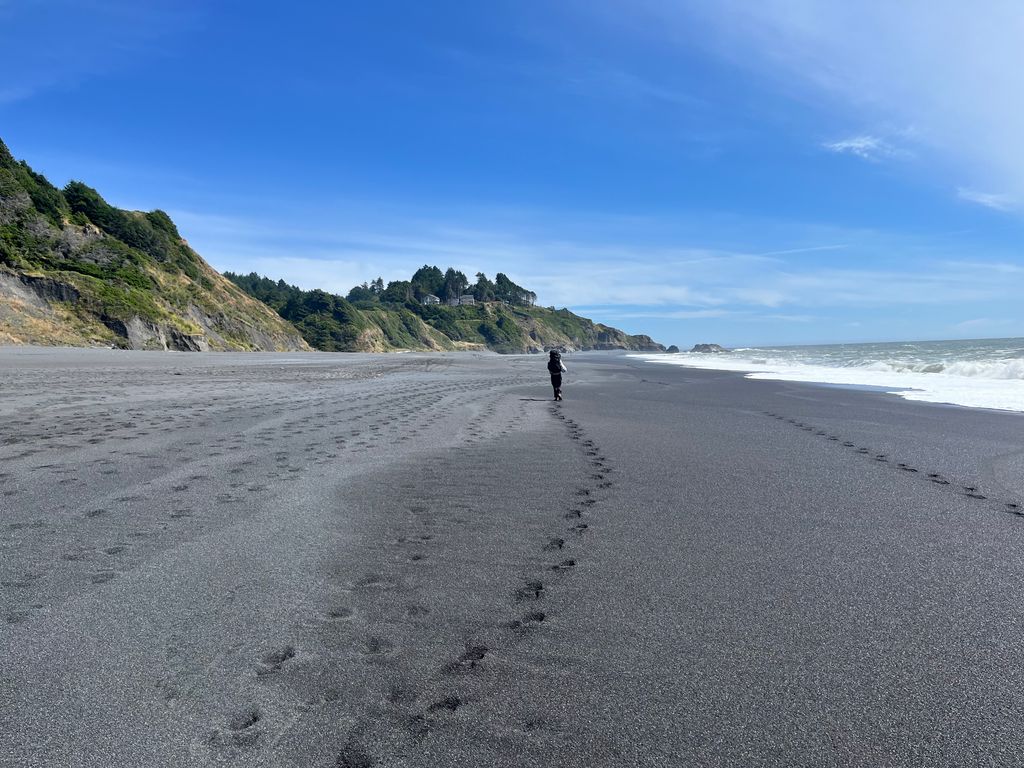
555 368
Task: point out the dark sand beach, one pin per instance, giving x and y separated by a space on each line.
420 560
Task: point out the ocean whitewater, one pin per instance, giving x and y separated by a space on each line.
980 373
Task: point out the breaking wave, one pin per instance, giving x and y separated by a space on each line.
987 373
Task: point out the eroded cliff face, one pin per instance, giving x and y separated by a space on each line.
76 271
546 329
45 310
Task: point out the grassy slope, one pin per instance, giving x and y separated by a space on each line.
77 270
332 323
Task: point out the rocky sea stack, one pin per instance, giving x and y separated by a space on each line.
708 349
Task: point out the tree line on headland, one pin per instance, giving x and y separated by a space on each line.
447 285
408 314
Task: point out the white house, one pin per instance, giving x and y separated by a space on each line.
467 299
431 299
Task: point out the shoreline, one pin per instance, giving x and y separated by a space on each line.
975 392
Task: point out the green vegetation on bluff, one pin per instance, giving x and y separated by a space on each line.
76 270
375 317
446 286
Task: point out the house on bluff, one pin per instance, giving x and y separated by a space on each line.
431 299
466 300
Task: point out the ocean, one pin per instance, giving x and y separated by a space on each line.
975 373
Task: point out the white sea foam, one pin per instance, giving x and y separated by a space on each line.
985 375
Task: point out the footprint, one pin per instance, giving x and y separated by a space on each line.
448 703
244 719
531 590
373 580
377 646
555 542
273 662
353 756
339 613
529 619
27 580
565 565
472 656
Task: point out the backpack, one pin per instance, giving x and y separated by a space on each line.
554 365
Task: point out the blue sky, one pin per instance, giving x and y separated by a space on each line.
778 171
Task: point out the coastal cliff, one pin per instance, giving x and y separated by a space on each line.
402 317
76 271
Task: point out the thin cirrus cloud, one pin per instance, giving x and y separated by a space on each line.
865 147
944 77
115 31
989 325
672 283
998 202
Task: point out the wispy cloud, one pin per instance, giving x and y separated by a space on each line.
695 314
619 82
791 318
950 71
44 46
665 314
15 93
998 202
811 249
866 147
981 324
681 281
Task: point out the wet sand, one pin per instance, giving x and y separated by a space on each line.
331 560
